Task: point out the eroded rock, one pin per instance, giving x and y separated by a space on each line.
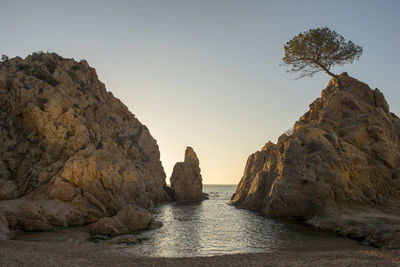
344 153
186 180
128 220
8 189
5 233
68 144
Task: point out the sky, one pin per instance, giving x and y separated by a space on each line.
207 74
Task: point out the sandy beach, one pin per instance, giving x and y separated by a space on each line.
23 253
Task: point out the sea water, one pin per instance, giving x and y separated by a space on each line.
212 227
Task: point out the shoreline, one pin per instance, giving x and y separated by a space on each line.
65 253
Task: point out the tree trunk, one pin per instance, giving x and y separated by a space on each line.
336 77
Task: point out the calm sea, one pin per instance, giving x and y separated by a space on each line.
213 227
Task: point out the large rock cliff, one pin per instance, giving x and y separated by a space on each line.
343 154
70 151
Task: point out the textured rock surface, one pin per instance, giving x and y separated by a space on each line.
379 227
70 151
4 231
186 180
344 153
128 220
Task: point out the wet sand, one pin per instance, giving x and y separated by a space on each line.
65 253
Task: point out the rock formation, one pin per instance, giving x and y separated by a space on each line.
4 231
71 153
343 157
186 181
128 220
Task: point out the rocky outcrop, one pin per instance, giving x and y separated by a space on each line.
344 153
376 226
186 180
4 231
71 152
128 220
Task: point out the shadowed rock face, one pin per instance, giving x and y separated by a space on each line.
343 153
186 180
4 231
126 221
70 151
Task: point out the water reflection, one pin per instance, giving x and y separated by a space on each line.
212 227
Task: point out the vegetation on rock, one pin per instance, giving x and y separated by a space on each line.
319 50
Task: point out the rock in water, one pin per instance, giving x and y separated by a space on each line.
344 153
186 181
71 152
128 220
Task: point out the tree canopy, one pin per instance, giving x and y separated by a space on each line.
4 58
319 50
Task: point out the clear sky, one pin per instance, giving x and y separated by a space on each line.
207 73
